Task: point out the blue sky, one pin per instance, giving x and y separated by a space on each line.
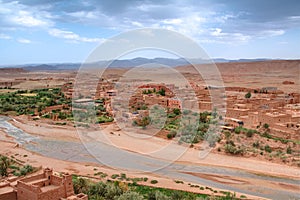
53 31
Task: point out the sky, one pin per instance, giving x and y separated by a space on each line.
58 31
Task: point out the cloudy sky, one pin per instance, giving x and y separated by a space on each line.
40 31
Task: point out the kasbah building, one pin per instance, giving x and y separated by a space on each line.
281 111
42 186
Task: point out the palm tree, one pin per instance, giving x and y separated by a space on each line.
4 164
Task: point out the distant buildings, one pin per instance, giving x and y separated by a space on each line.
267 105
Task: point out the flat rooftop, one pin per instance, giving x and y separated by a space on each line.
6 189
49 187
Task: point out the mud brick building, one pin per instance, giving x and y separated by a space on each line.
44 186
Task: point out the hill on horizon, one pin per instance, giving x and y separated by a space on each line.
128 63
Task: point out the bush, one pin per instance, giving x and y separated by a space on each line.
169 136
268 149
256 144
176 111
114 176
266 126
4 164
14 167
237 130
26 169
289 150
227 134
113 190
153 181
233 150
248 95
172 134
130 196
177 181
250 133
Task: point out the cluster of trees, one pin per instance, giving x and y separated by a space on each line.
161 92
91 113
6 164
143 122
123 191
27 101
204 129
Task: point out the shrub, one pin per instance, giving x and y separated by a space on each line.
123 176
114 176
26 169
113 190
248 95
250 133
227 134
289 150
266 126
176 111
268 149
177 181
4 164
237 130
153 181
130 196
169 136
14 167
233 150
256 144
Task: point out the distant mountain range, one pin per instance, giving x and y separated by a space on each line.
126 63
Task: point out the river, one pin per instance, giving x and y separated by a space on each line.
113 157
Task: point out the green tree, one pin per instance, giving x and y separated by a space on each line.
289 150
162 92
268 149
130 196
113 190
176 111
80 185
266 126
248 95
4 164
145 121
98 189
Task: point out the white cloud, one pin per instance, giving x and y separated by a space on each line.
218 36
191 25
85 14
16 15
25 18
272 33
193 20
217 32
173 21
24 41
4 36
71 36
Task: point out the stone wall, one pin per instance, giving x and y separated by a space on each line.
9 196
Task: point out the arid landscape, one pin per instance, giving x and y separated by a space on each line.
149 100
251 158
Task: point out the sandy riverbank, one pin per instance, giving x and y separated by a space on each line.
150 146
157 147
9 148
